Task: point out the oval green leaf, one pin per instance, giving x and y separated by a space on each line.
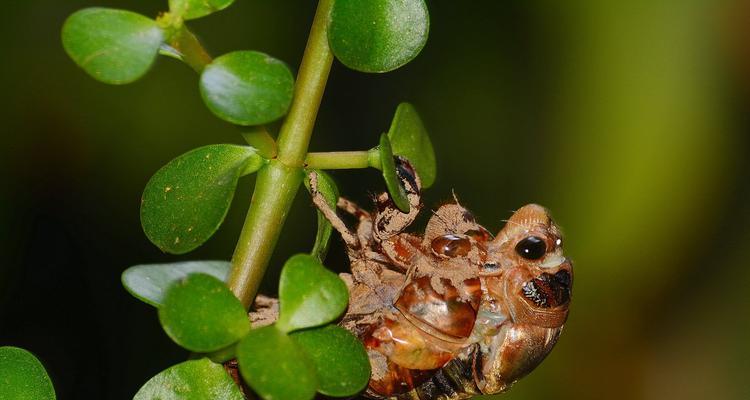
409 139
340 360
113 46
192 9
275 367
22 376
390 175
378 35
186 201
247 88
309 294
191 380
327 187
149 282
201 314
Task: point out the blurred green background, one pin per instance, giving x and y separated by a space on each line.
628 120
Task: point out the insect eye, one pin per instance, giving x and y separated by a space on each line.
531 248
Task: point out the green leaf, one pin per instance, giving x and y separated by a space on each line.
247 88
22 376
275 367
192 9
309 294
378 35
191 380
341 362
186 201
202 315
149 282
409 139
327 187
390 175
113 46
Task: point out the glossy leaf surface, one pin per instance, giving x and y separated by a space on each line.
309 294
378 35
113 46
191 9
191 380
23 377
327 187
409 139
149 282
340 360
201 314
247 88
186 201
275 367
390 175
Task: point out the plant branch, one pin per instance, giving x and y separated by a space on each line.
278 182
338 160
190 49
295 133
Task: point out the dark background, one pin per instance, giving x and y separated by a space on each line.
628 120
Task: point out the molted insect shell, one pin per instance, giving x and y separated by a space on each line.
455 312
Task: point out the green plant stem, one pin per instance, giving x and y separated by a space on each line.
279 181
190 49
338 160
295 133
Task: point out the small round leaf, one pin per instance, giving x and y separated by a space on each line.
186 201
247 88
275 367
327 187
340 360
149 282
390 175
378 35
113 46
309 294
22 376
409 139
202 315
192 9
191 380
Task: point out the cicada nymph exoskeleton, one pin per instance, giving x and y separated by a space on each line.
454 312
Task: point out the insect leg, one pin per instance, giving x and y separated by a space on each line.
389 220
352 208
349 237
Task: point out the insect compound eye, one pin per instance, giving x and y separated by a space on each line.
531 248
451 245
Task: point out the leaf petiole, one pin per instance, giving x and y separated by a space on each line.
343 159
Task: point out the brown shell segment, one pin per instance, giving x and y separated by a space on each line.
446 313
451 245
399 380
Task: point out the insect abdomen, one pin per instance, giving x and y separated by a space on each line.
454 381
